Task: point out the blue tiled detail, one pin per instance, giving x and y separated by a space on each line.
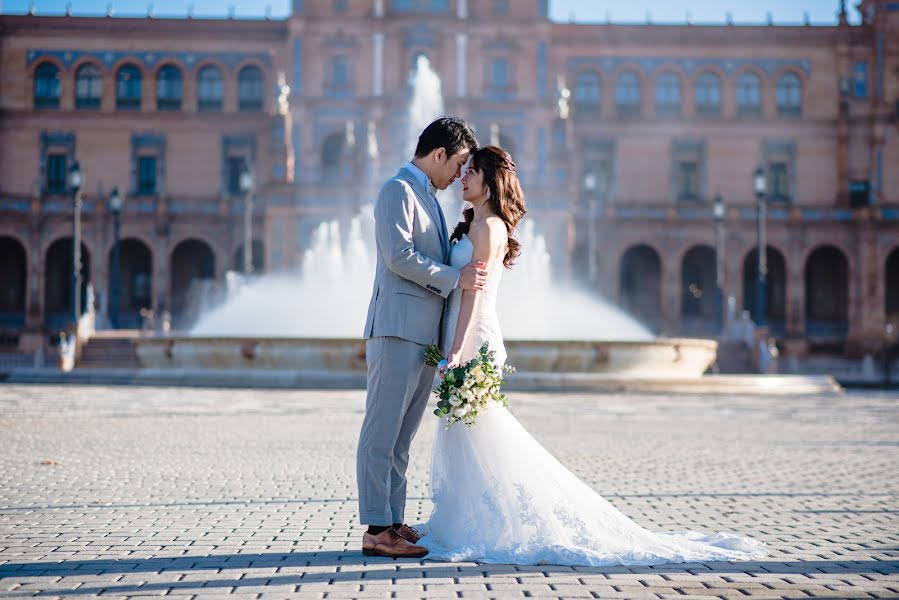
890 214
296 86
15 205
543 8
879 51
181 207
541 69
58 206
685 212
149 58
812 214
860 79
779 214
278 170
421 35
434 6
689 65
561 175
146 206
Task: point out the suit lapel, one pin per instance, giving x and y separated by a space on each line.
430 205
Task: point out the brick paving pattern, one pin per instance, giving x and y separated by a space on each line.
123 491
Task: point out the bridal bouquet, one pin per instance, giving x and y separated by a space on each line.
466 391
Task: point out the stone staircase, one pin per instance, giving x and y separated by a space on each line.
109 350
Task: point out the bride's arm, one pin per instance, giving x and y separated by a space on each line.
486 239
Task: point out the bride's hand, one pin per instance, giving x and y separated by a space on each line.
452 361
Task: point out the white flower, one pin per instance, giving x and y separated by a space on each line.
455 400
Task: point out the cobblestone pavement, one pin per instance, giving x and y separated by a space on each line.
122 491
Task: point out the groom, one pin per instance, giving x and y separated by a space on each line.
412 282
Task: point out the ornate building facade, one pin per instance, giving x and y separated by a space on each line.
624 135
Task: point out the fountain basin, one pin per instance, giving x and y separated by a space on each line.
659 358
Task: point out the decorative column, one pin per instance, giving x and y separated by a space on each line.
461 52
377 82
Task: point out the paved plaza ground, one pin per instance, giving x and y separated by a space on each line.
127 491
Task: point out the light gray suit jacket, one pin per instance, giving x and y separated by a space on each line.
412 279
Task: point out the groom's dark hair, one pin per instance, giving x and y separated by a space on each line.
455 135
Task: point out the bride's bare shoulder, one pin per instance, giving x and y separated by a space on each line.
487 236
491 228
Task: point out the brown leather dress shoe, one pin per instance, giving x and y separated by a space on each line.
408 533
389 543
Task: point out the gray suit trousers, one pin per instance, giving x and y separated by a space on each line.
399 383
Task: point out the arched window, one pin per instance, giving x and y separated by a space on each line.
749 94
789 95
587 90
46 86
88 87
668 97
169 88
708 94
627 94
250 89
210 89
128 87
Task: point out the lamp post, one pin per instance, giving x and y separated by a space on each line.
590 188
719 212
246 186
890 334
75 180
760 185
116 202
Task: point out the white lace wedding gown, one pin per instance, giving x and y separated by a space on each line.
500 497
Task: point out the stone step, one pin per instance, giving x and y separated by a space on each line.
108 352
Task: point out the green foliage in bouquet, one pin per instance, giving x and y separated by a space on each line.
466 390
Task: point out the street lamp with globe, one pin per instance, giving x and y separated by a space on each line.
719 211
760 187
590 189
116 203
246 186
75 181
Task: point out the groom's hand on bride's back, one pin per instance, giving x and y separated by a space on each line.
473 276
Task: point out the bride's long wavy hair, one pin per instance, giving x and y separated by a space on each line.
506 198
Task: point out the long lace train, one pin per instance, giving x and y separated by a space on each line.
500 497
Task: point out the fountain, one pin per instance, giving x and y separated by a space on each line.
312 320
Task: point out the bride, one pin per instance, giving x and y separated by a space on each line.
499 496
